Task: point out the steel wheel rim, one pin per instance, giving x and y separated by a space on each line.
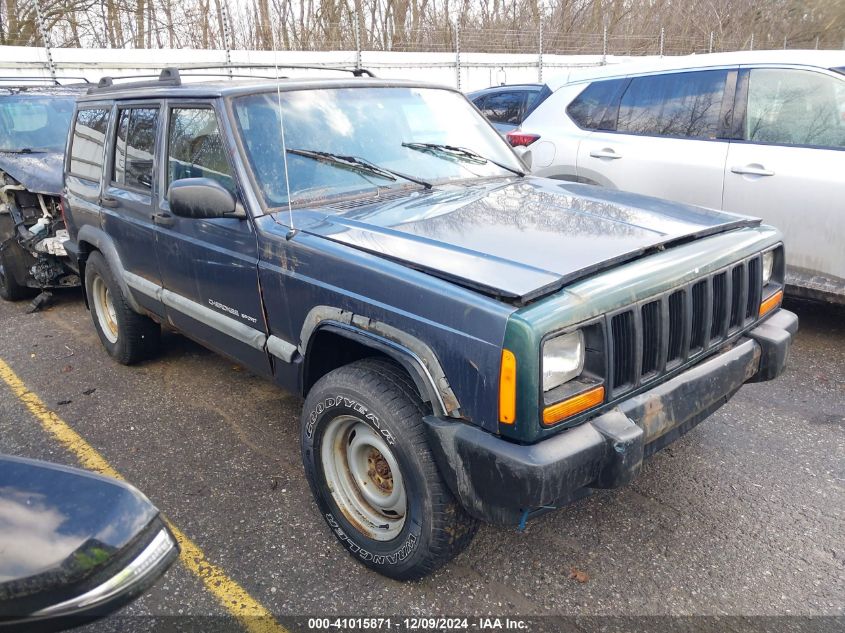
103 306
364 478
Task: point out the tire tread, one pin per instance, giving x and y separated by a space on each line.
388 382
138 335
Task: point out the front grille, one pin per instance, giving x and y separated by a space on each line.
663 332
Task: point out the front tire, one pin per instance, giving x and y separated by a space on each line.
10 289
128 337
372 473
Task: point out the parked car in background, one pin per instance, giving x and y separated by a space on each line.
34 122
74 546
471 342
506 106
759 133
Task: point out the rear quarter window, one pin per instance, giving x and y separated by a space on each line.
89 139
595 108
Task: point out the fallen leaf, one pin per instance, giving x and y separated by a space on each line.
67 368
61 402
88 392
578 575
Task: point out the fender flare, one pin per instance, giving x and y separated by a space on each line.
102 242
413 355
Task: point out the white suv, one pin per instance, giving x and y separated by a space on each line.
760 133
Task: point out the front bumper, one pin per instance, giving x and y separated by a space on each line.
501 482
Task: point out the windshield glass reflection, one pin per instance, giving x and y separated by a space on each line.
370 124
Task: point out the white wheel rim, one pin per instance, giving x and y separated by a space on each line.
104 308
364 478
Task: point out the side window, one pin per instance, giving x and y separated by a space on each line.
195 147
674 104
504 107
134 147
795 107
595 107
89 139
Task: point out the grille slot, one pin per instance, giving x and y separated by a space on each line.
717 323
754 282
677 325
624 350
699 316
737 281
651 337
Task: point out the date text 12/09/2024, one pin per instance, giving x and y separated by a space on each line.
484 623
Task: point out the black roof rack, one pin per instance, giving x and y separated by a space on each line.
45 81
357 72
167 77
172 76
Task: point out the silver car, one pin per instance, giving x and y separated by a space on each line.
760 133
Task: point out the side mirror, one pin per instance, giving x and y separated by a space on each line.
75 546
201 198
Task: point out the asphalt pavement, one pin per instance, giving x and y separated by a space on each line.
745 515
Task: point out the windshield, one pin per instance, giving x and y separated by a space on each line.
34 123
369 125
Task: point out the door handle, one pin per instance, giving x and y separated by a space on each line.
752 170
108 201
605 153
163 219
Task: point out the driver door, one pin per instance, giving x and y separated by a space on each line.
209 267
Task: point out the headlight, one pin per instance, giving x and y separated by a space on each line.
563 359
768 266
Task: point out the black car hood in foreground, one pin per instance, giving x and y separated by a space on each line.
39 172
59 527
521 238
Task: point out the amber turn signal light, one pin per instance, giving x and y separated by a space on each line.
507 388
771 303
576 404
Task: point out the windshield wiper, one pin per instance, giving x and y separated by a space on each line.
357 164
461 153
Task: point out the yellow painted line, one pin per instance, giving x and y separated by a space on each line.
254 617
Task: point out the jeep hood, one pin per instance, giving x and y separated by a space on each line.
518 239
39 172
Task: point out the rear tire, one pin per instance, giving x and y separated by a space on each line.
10 289
128 337
371 471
